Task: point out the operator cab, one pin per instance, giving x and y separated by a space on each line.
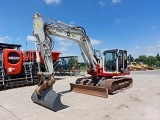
115 60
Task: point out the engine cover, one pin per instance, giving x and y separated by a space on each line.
12 61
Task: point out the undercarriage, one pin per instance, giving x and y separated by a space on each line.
101 86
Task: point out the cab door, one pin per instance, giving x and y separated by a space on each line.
122 60
110 61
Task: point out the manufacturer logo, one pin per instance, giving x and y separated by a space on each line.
13 58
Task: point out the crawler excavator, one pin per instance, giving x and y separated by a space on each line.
106 71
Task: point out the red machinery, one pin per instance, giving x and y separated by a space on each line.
19 67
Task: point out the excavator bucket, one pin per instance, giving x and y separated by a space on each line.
49 99
90 90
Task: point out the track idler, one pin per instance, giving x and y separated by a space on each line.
49 99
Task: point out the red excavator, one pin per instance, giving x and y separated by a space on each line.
106 70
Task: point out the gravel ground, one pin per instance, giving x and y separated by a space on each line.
141 102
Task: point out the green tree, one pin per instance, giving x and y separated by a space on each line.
130 58
143 58
158 57
137 60
151 60
157 64
73 61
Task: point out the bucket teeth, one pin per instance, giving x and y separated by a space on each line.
89 90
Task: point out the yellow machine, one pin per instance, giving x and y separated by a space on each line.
146 67
133 66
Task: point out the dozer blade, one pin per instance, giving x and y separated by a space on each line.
89 90
118 84
49 99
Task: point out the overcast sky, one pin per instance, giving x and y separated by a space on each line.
133 25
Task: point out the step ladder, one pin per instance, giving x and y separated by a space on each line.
28 68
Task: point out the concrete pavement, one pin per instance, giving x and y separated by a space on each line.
141 102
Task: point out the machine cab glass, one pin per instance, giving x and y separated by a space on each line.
115 60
